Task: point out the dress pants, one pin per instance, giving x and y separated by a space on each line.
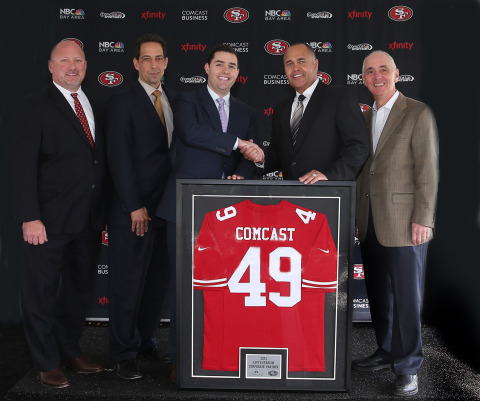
57 283
138 281
394 277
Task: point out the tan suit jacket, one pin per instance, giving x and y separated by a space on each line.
400 180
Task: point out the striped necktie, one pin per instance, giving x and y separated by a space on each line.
296 118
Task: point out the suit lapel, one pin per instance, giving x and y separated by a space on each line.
209 106
62 104
310 113
396 115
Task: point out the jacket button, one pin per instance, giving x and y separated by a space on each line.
294 164
93 186
371 172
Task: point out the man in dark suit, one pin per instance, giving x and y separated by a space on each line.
211 127
396 198
319 133
58 174
139 131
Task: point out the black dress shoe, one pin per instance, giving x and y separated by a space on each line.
371 363
128 369
406 385
156 353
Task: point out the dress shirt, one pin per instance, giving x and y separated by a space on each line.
87 108
167 110
307 93
226 106
379 118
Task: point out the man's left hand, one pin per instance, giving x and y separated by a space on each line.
235 177
420 233
312 177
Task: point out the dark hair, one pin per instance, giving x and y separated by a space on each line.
149 37
309 48
222 48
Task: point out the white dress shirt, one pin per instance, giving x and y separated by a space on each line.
87 108
379 118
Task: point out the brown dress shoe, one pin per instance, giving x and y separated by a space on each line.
82 365
53 379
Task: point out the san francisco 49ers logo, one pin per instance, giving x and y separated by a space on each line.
110 78
235 15
77 41
400 13
364 107
324 77
276 47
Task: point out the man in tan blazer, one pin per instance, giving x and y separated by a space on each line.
396 197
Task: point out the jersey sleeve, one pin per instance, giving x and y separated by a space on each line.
208 260
321 263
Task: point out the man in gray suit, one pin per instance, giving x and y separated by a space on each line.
396 197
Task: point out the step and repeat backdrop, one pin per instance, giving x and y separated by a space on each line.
340 32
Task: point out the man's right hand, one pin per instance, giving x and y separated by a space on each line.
140 221
34 232
251 151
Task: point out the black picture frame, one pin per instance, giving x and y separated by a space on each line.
335 200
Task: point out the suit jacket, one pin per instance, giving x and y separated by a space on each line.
400 180
203 150
331 138
58 178
137 152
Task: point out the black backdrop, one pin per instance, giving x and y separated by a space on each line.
440 62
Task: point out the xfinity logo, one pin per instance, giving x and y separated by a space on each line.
397 46
191 47
103 301
241 79
72 13
268 112
361 46
155 15
359 14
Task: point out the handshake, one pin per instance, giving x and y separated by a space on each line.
251 151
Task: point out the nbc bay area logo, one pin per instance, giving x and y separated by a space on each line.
277 47
354 79
320 47
236 15
278 15
72 13
111 47
110 78
400 13
113 15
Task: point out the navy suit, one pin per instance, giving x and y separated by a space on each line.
203 150
139 162
59 179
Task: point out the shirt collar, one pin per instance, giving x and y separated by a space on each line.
307 92
389 104
215 96
149 88
66 92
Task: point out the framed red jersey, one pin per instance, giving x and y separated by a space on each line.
263 276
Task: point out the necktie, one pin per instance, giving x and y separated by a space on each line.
83 119
296 118
158 106
222 113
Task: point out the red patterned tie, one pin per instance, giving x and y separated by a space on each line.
83 119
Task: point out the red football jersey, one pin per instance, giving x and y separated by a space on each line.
264 271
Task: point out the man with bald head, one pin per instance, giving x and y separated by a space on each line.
396 198
58 174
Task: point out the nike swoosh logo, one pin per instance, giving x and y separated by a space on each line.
202 249
323 250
